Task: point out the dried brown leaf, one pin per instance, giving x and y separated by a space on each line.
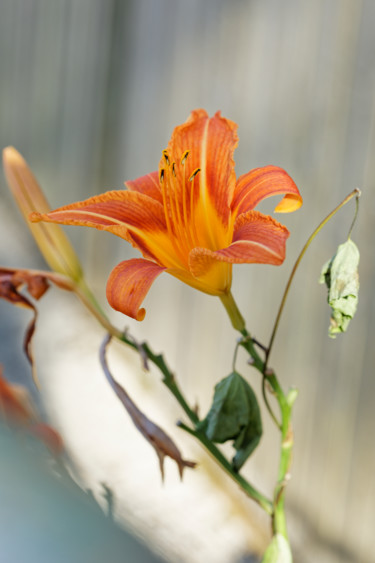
159 440
36 283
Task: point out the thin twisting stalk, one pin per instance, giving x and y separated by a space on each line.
247 342
356 212
267 403
356 192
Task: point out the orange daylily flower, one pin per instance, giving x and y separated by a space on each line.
191 218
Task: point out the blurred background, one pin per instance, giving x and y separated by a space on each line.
90 92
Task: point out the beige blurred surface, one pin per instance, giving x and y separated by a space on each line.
89 93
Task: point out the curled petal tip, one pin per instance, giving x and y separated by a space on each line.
140 314
289 203
261 183
128 285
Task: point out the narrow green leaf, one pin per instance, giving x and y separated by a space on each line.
234 415
340 274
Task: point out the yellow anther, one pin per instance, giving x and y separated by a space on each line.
165 154
194 174
161 175
174 169
184 157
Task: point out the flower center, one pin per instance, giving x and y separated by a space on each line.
179 193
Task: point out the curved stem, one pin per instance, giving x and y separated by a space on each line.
238 344
355 214
248 343
356 192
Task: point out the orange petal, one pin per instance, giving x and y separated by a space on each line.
136 217
147 185
257 238
128 285
114 211
211 143
264 182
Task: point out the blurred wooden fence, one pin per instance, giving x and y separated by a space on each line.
90 91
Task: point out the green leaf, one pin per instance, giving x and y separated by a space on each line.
234 415
340 274
278 551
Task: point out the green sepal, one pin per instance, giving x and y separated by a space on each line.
234 415
340 274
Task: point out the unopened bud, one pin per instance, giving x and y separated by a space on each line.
50 238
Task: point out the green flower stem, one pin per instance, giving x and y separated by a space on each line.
285 404
169 380
248 343
234 314
276 508
224 463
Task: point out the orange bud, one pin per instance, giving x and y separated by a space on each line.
51 239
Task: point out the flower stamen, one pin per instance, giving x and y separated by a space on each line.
177 215
192 176
189 239
171 213
185 154
192 218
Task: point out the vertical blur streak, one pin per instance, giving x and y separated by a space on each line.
89 94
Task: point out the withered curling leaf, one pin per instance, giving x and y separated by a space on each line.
18 410
340 274
159 440
234 415
36 283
